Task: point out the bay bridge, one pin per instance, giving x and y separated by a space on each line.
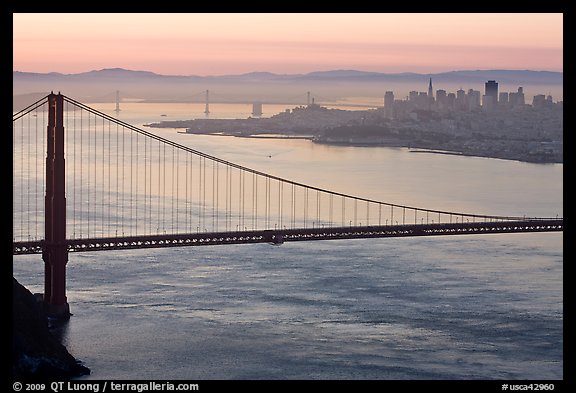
209 97
86 181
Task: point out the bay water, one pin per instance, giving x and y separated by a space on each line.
448 307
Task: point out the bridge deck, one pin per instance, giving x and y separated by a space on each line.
279 236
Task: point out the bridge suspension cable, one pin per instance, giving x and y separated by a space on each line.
105 184
125 181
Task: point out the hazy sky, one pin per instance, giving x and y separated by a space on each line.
234 43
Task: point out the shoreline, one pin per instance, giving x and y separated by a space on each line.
411 149
442 151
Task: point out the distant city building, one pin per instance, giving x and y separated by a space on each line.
491 90
445 103
441 98
450 100
542 101
419 100
389 104
423 100
473 99
461 100
488 102
517 99
430 93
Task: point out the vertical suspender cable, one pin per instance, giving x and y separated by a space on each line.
123 180
23 175
187 213
145 185
214 196
131 196
164 189
254 200
38 213
160 177
103 178
172 194
217 197
118 213
28 158
279 204
240 204
88 166
136 178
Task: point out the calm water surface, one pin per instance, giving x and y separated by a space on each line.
461 307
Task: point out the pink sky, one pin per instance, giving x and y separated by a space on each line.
217 44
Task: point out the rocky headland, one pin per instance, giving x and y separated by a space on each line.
36 352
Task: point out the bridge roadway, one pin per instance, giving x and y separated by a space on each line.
279 236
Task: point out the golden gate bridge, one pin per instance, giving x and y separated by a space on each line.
85 181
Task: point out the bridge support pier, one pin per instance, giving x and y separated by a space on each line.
55 254
55 301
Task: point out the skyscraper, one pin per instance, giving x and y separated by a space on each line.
491 90
389 104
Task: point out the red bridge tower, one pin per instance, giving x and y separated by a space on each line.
55 253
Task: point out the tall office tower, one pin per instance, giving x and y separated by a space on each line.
520 96
487 102
450 100
517 98
389 104
461 100
491 90
539 101
441 98
430 94
423 100
473 99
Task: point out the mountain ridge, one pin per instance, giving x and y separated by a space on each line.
333 85
541 75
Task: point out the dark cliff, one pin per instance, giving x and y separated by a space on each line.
36 353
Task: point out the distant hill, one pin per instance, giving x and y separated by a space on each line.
526 76
21 101
100 85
